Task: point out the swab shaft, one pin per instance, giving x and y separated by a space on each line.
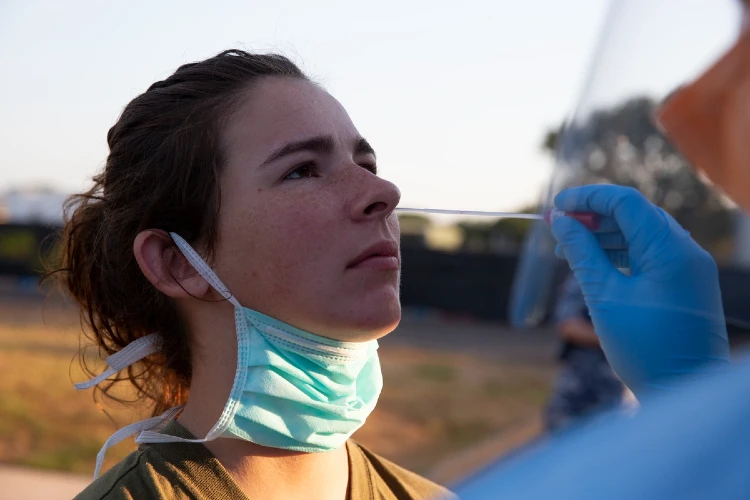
589 219
507 215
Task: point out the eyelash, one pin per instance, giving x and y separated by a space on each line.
313 168
308 165
373 168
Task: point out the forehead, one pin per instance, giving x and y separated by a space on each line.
277 111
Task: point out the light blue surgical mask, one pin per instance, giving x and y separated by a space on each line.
292 389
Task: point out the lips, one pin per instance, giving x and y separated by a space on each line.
382 255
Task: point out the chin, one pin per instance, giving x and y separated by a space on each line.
375 322
388 326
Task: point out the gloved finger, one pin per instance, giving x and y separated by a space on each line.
619 258
614 245
607 225
587 259
559 252
676 227
612 241
639 220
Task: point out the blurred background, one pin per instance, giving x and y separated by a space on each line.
474 106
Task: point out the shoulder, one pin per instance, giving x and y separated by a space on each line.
170 470
133 477
403 483
165 470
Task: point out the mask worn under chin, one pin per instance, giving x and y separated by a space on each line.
292 389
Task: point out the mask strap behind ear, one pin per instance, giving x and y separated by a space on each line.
200 265
131 429
131 353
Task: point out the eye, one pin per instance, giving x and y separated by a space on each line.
304 171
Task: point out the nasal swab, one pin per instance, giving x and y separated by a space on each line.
589 219
505 215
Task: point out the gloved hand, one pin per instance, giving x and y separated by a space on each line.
666 319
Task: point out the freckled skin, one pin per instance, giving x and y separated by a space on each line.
284 245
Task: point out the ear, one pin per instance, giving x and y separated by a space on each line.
165 267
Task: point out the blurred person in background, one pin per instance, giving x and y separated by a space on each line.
237 259
662 327
586 383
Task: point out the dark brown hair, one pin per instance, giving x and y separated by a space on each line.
165 157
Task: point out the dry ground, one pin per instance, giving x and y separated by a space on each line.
450 386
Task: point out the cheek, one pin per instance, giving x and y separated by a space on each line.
394 226
296 237
282 249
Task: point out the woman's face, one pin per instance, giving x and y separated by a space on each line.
307 232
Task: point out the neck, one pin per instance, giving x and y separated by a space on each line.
261 472
271 473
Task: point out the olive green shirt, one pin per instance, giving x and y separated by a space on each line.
190 471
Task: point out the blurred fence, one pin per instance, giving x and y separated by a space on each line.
467 284
24 248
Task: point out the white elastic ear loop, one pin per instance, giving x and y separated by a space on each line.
148 436
200 265
129 430
131 353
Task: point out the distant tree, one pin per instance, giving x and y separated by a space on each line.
515 229
476 235
551 138
503 234
413 229
622 145
413 223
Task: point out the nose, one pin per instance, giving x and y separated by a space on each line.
377 199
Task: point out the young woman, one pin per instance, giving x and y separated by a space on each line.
238 258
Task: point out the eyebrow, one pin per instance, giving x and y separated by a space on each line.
321 144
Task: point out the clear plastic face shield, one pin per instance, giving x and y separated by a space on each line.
665 109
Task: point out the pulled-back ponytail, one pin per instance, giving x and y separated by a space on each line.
161 173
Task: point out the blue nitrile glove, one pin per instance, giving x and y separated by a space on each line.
664 320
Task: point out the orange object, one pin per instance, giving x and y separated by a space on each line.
709 122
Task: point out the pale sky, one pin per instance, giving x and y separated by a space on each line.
454 96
